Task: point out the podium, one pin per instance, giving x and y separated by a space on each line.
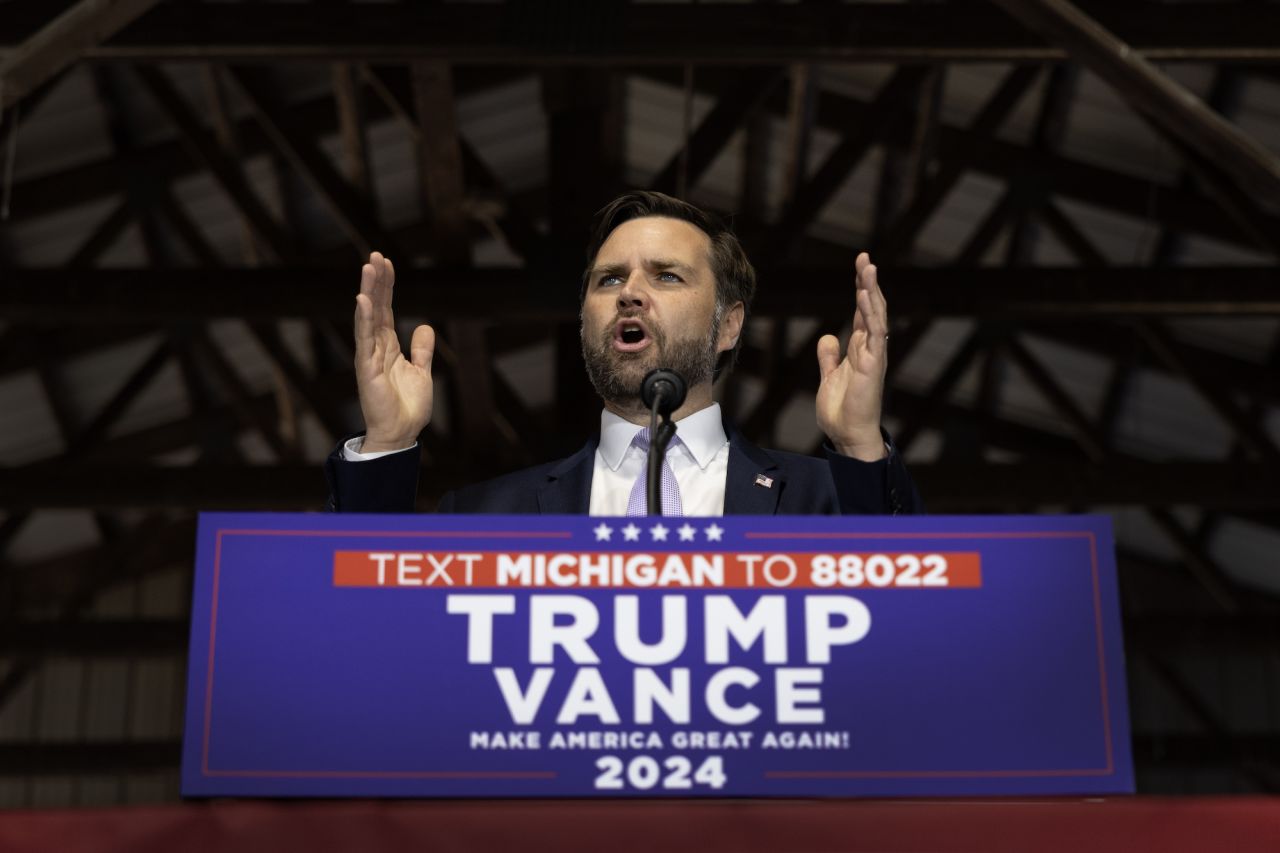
566 656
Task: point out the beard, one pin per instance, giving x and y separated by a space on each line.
617 376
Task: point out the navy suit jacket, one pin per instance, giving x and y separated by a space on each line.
797 485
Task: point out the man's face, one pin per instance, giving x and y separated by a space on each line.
651 302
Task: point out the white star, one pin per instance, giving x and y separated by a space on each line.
631 533
686 532
603 532
714 532
658 532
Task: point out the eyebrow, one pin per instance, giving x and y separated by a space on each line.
659 264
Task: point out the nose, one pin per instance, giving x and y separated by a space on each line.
633 293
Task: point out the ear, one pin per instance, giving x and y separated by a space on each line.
731 328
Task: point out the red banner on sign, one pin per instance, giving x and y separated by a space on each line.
662 570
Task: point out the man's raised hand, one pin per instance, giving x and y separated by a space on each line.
395 392
852 388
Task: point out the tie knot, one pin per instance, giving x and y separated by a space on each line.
641 440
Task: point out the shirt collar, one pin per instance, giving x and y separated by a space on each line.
701 433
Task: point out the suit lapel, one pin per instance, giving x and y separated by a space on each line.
568 487
743 493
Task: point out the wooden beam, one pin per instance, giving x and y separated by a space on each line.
61 42
1216 582
443 192
139 186
396 92
812 195
1006 209
352 210
1160 98
210 357
1050 130
355 148
585 160
227 132
667 34
1130 195
902 234
132 296
103 236
1223 98
906 163
226 171
1251 434
716 129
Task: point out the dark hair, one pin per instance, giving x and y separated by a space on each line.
735 277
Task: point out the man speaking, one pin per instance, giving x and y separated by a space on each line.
666 285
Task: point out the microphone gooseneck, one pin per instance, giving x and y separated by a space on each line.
662 392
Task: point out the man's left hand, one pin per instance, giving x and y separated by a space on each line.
852 388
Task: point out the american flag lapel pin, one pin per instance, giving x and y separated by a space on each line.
762 480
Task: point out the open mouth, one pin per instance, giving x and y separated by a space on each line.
630 336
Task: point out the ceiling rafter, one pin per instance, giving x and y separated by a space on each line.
1206 570
61 42
1152 93
443 191
715 130
132 296
226 171
813 194
900 236
346 204
905 166
663 34
975 149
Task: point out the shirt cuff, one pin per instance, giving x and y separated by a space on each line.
827 445
351 450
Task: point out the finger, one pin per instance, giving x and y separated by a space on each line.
861 262
364 327
870 281
371 282
873 307
859 311
369 278
828 355
386 281
423 347
870 337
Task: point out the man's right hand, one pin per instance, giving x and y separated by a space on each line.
395 392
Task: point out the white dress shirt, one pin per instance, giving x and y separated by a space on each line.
699 460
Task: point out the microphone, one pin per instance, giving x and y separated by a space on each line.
664 389
662 392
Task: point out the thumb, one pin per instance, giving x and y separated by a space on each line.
828 354
423 347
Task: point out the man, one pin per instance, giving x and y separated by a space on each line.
666 285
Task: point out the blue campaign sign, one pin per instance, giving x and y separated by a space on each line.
476 656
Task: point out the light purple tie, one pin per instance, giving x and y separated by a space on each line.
637 504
